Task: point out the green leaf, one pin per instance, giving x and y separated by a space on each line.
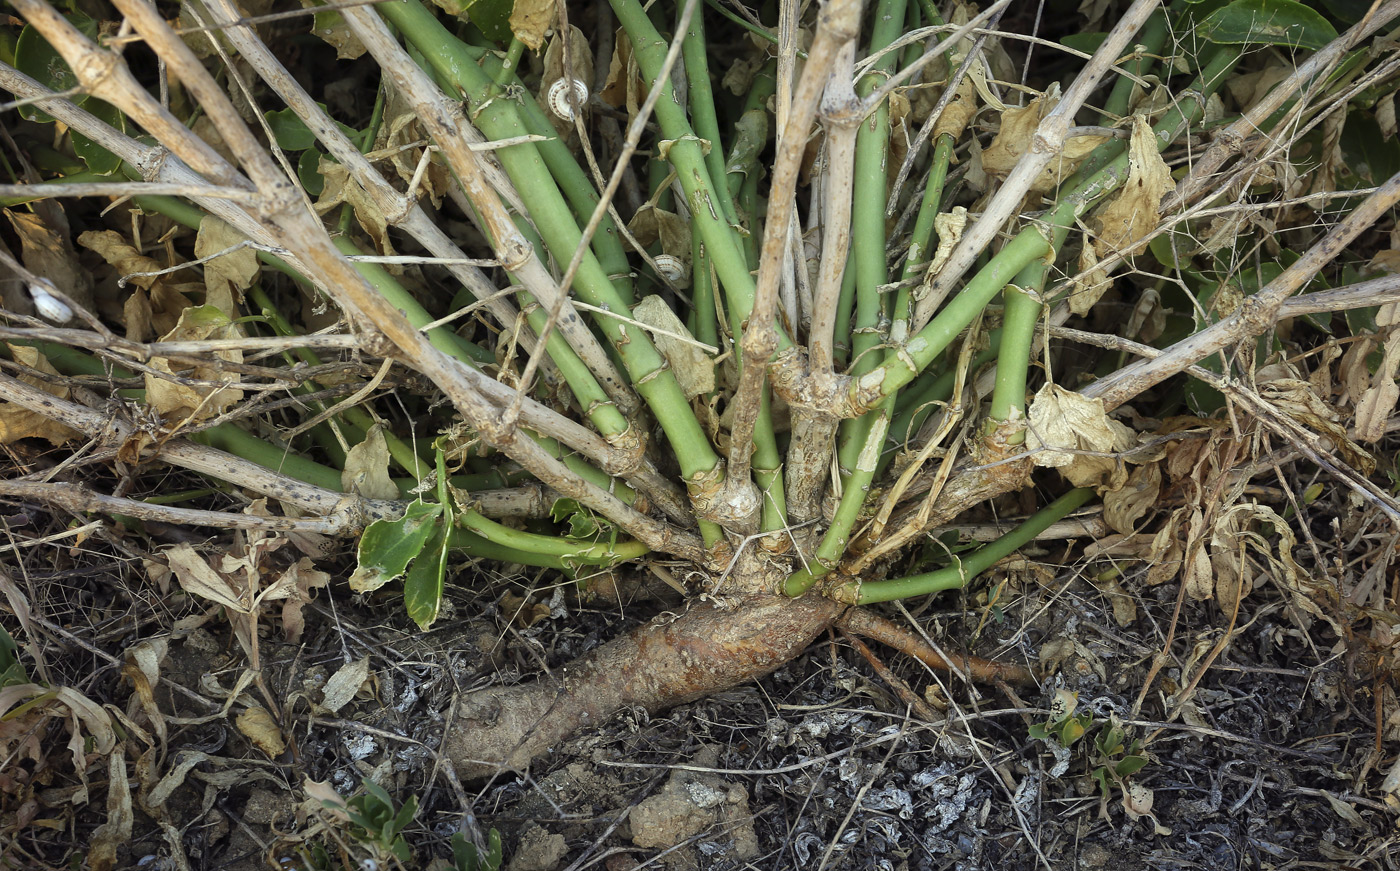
465 856
494 854
582 524
1111 741
289 130
11 669
1071 731
492 17
40 61
1085 42
1170 249
422 589
1268 22
404 816
387 546
309 171
1348 11
97 158
1369 154
293 135
1129 766
379 794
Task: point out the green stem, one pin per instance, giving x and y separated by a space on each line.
856 488
704 325
441 337
768 469
686 155
749 208
921 240
509 64
551 215
922 397
760 32
578 189
867 257
1151 38
845 310
695 54
268 455
548 545
476 546
750 132
1034 242
967 568
83 177
1019 320
400 451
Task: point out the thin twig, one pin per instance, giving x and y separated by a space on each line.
1045 146
1258 314
81 500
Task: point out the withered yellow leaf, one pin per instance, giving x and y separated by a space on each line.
227 275
367 468
181 400
1018 126
1067 430
257 726
17 422
1133 214
692 366
530 20
1124 507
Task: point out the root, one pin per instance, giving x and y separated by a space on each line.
703 651
867 624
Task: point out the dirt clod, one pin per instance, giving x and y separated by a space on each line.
691 802
539 850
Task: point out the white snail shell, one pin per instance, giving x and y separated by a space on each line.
562 102
49 306
672 268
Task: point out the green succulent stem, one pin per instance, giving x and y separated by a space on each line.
1036 241
1151 38
551 216
853 497
1020 316
700 94
964 569
474 545
685 150
548 545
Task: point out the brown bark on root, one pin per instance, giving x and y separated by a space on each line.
703 651
665 663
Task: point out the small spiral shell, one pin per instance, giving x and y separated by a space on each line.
673 269
49 306
562 102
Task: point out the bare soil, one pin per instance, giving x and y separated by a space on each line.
1271 761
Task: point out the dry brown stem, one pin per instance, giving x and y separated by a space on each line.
1046 145
343 513
837 25
283 213
80 500
1259 312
